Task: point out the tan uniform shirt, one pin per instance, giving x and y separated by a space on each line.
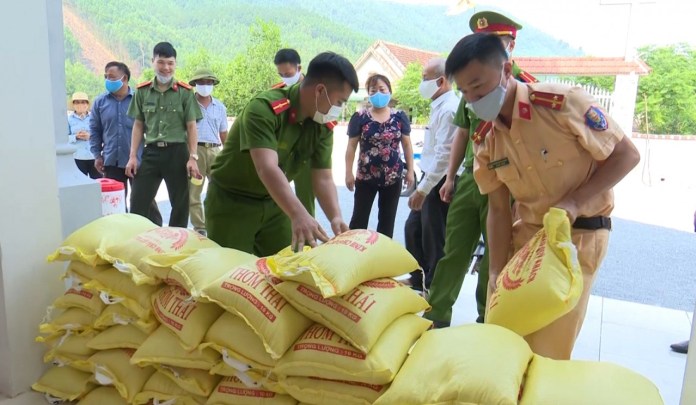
557 136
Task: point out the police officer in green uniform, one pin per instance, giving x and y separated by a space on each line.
288 64
165 112
466 219
250 205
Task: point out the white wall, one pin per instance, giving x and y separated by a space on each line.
30 221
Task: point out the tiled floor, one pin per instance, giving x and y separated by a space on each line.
632 335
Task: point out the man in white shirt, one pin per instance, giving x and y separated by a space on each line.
212 133
425 226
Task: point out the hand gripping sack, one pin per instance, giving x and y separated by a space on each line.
541 283
245 292
470 364
362 314
574 382
321 352
128 256
82 245
339 265
188 319
195 272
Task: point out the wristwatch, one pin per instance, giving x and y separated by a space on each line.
194 156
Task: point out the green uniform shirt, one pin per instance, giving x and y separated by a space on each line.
268 121
164 113
465 118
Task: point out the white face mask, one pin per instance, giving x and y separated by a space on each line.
204 89
163 79
428 88
289 81
333 113
488 107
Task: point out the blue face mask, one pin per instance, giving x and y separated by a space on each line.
112 86
380 100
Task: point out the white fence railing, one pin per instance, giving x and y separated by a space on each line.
603 97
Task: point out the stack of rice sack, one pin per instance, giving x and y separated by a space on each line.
363 322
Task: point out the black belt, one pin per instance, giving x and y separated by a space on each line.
592 223
208 145
162 144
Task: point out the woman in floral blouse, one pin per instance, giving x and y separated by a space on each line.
381 132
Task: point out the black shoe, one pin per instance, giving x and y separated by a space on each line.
681 347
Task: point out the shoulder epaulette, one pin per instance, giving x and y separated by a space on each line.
526 77
279 106
331 125
143 84
278 85
185 85
481 131
550 100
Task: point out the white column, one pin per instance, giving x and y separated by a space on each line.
624 101
689 388
33 119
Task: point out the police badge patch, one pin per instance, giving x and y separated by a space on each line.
595 119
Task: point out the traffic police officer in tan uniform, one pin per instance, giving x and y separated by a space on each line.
250 205
545 145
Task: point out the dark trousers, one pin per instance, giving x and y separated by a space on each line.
168 164
425 235
387 204
87 168
119 174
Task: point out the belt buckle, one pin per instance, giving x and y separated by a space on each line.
605 222
161 144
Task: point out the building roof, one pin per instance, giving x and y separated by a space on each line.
581 66
406 55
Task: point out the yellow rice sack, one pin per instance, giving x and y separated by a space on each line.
115 287
77 297
68 348
118 337
359 316
470 364
541 283
113 367
231 391
117 314
64 383
84 271
161 389
82 245
245 292
349 259
188 319
103 396
321 352
195 382
318 391
239 345
573 382
164 348
196 271
128 255
72 319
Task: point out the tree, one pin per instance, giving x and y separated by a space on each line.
408 97
79 78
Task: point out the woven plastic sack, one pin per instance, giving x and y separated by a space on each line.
349 259
103 396
321 352
232 391
115 287
77 297
128 256
541 283
573 382
64 383
82 245
118 337
362 314
113 367
188 319
195 382
161 390
163 347
240 346
72 319
196 271
245 292
117 314
470 364
318 391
